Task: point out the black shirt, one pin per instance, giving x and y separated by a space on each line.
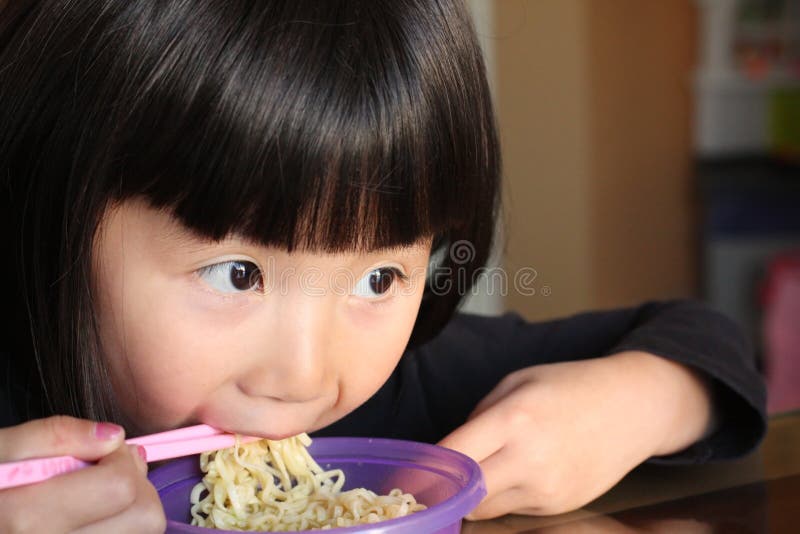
435 387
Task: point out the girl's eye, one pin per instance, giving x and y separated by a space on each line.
232 276
377 282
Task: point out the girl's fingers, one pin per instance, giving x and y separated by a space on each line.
59 436
515 500
75 499
500 473
146 515
510 500
478 438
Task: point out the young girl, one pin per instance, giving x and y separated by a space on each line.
226 212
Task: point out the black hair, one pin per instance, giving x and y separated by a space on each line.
336 125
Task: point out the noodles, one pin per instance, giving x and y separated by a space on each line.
276 485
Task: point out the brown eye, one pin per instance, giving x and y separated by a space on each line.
232 276
381 280
245 275
376 283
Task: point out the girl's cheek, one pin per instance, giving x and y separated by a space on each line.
211 306
372 316
170 369
177 338
382 333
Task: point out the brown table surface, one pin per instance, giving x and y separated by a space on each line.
759 493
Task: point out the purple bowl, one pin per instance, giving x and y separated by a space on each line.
449 483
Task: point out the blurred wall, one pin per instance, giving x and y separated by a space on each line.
593 106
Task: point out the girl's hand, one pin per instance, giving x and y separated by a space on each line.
551 438
112 496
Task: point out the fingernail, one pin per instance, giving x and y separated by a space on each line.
142 453
107 431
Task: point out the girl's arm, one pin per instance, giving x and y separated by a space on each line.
435 387
578 401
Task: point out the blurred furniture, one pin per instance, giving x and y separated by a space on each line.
747 78
781 334
749 212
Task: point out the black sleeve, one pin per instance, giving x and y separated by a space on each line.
436 386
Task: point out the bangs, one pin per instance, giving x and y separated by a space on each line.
323 126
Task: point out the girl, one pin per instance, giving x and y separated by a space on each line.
225 212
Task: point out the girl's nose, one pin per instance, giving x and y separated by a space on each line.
291 366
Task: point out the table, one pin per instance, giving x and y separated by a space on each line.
758 493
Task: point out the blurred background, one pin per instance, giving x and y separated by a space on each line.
651 151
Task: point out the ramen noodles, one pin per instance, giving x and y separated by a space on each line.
275 485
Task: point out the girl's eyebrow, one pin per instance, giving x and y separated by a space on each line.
176 241
421 243
178 236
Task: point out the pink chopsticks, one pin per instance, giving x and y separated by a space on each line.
160 446
186 441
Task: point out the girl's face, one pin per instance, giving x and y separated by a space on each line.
243 337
